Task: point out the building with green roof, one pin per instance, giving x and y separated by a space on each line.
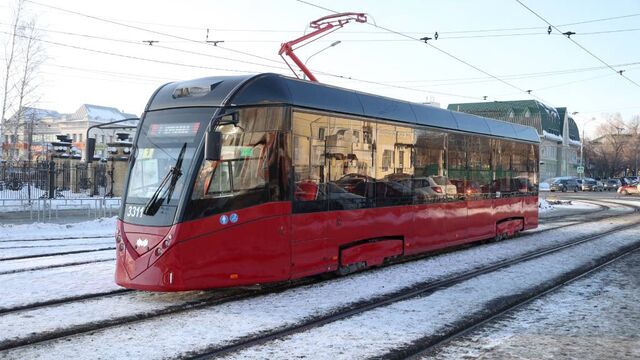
559 135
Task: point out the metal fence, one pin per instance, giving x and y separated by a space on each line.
53 180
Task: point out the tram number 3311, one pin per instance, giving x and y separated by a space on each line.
134 211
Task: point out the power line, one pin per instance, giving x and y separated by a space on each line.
239 71
150 31
460 81
138 43
199 42
577 44
520 76
528 92
128 56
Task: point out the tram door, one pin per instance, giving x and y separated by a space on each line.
309 221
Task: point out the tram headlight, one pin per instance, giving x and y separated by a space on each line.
167 241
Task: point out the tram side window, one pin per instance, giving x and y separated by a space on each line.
431 183
533 167
310 173
520 182
349 163
393 165
502 167
458 166
480 175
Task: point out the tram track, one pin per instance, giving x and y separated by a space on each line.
426 346
388 299
55 266
215 300
46 246
21 257
59 238
60 301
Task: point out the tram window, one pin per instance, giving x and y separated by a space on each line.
502 167
253 168
431 183
480 175
310 173
458 167
533 168
390 189
349 158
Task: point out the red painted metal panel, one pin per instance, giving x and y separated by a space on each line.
206 254
530 210
509 227
428 229
456 221
373 253
480 219
266 240
309 244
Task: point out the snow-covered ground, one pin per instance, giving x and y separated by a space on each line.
100 227
596 317
372 333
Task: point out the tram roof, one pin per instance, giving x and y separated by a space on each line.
266 89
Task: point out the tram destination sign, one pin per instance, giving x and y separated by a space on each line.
173 129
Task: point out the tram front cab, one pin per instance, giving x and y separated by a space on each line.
189 223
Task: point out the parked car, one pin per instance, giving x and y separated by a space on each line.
612 184
591 185
631 189
427 186
564 185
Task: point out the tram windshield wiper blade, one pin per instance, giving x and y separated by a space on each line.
153 205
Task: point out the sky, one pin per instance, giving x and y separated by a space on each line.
97 54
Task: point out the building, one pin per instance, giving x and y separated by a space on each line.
559 136
39 127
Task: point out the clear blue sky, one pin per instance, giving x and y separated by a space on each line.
115 74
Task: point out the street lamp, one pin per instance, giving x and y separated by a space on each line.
304 76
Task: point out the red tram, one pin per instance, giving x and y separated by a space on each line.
254 179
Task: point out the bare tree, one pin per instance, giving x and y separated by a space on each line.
25 54
10 56
633 145
608 151
32 57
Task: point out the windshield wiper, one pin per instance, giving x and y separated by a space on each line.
153 205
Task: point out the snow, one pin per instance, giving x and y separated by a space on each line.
37 286
544 206
575 143
593 318
406 322
19 265
551 136
100 227
217 325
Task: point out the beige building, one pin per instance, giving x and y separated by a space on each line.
40 128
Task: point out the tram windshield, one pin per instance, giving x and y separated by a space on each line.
162 159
